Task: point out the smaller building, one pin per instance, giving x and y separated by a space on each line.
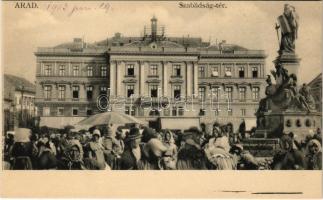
18 102
316 90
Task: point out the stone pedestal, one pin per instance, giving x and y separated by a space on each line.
289 61
273 124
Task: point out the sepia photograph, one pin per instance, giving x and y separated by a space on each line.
184 86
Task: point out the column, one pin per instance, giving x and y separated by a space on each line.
38 68
195 78
188 79
55 71
247 70
165 75
118 76
142 78
69 68
112 78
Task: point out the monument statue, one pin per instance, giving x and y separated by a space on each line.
288 25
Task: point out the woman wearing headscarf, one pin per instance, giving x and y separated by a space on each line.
314 155
169 142
72 159
217 151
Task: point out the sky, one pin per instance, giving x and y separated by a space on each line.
248 24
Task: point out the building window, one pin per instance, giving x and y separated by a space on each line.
60 111
255 93
230 112
48 70
130 90
47 92
103 71
202 93
177 91
228 92
130 110
103 90
242 93
215 71
89 92
228 72
154 91
75 70
174 111
243 112
89 112
90 71
241 72
75 90
215 93
180 111
201 71
130 70
153 70
166 112
61 92
254 72
75 111
46 111
61 70
177 70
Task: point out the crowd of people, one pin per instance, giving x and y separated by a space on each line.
143 148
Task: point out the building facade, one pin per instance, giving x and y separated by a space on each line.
149 77
18 103
316 90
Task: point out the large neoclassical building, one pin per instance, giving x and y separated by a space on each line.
149 77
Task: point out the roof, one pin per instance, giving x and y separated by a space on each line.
14 83
170 42
164 43
225 47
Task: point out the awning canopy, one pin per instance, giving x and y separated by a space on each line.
178 123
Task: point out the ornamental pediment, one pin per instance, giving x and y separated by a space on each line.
153 81
176 80
130 80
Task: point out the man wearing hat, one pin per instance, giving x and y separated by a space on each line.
190 154
132 152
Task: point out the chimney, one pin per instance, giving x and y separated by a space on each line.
154 29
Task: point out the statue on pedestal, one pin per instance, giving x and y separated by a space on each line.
288 25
